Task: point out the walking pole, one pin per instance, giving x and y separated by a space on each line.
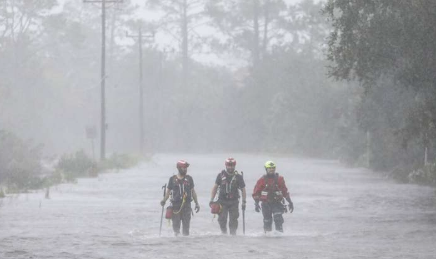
243 214
161 216
243 221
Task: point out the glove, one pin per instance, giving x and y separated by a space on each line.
243 205
197 208
162 203
257 206
291 207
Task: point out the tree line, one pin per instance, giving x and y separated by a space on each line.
345 79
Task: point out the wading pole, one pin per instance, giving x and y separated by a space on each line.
163 206
243 221
243 214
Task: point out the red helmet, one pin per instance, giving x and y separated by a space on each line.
230 161
182 164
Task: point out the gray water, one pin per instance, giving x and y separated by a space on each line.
339 213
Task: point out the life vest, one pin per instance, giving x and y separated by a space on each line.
181 189
229 187
271 192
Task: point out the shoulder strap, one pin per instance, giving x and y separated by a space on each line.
276 180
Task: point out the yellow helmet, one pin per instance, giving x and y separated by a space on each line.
270 164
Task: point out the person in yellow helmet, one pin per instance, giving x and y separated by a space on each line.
271 190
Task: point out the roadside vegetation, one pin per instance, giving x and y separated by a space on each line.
23 169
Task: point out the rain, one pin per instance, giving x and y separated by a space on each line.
217 129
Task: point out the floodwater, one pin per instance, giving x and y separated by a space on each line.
339 213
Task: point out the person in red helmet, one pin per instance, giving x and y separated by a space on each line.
229 182
181 189
271 190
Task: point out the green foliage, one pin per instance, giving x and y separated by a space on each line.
76 165
20 168
425 175
280 102
284 103
119 161
252 27
79 164
305 111
374 38
387 46
56 177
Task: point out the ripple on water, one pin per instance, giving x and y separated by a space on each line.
344 214
16 253
118 244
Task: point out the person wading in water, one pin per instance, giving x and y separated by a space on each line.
181 189
271 189
229 182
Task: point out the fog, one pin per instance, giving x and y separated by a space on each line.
51 87
99 99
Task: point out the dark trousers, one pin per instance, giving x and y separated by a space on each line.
230 210
183 217
270 211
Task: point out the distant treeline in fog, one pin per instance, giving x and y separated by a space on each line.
349 80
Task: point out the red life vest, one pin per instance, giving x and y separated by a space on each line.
271 192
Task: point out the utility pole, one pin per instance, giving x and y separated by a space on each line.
185 50
139 38
255 46
103 74
368 149
159 85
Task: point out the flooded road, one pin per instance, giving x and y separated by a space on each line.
339 213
